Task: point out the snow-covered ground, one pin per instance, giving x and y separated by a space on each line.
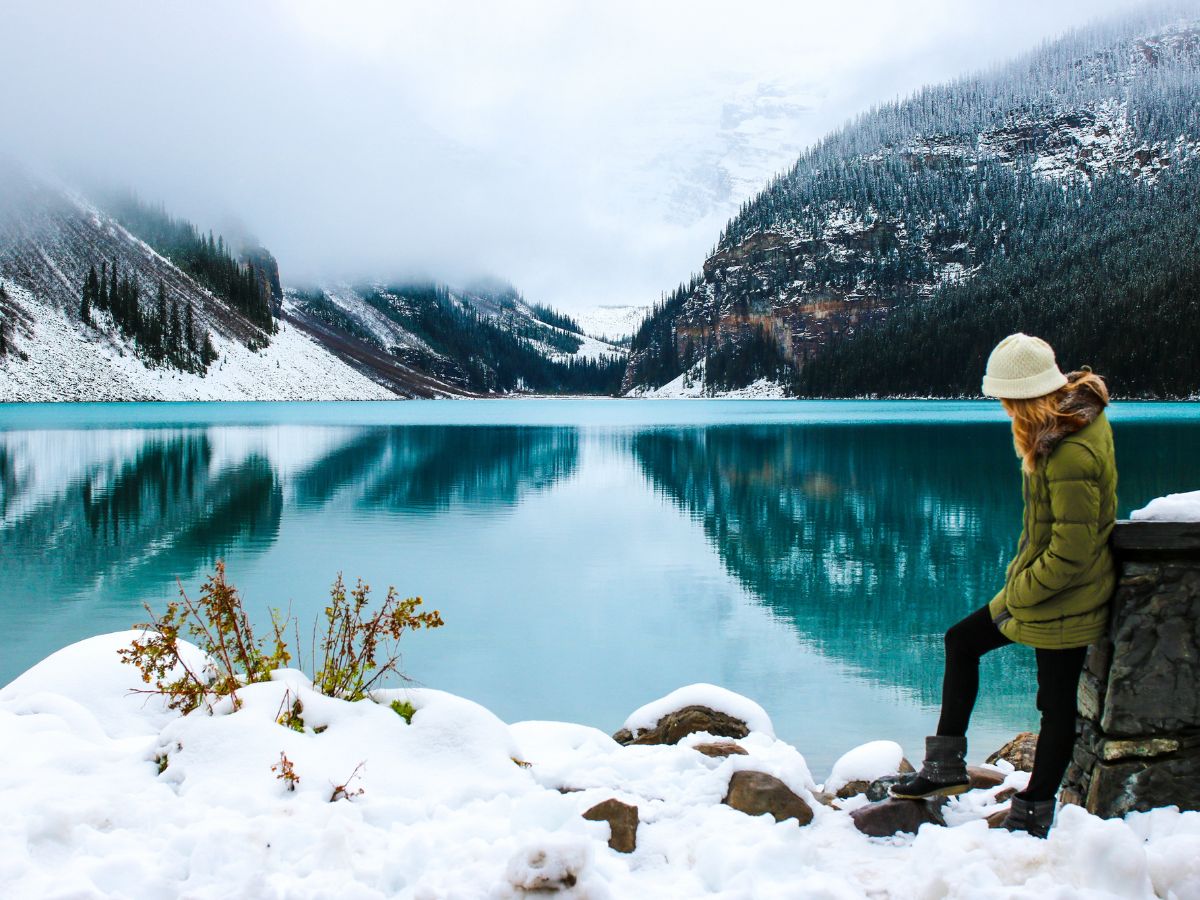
66 363
609 322
1171 508
590 348
108 794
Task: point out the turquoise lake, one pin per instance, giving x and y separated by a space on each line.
587 556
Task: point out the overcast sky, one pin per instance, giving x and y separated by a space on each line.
587 152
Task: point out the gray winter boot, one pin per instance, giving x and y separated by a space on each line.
943 773
1033 816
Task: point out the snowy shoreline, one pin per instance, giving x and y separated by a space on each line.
108 793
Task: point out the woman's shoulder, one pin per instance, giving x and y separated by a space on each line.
1080 455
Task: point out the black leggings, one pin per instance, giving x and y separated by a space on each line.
1058 682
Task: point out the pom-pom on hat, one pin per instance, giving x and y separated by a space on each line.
1021 367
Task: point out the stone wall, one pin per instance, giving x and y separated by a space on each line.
1139 698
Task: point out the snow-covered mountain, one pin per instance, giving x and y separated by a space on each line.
962 188
49 240
91 310
482 338
611 322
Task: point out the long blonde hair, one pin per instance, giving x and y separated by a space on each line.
1035 420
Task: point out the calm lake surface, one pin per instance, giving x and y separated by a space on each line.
587 556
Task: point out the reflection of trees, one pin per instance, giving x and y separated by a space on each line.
10 488
162 513
434 467
870 541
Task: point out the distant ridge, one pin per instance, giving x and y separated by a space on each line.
1056 195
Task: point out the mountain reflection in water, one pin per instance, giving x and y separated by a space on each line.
582 568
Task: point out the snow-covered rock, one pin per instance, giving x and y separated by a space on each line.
708 695
866 762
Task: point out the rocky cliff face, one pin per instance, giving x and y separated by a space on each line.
925 194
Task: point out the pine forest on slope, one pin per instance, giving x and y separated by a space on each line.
1057 195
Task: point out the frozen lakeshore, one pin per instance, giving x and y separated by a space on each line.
109 794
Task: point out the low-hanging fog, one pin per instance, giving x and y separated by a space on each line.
588 152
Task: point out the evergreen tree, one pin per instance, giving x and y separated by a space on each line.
174 343
159 330
102 295
190 327
91 287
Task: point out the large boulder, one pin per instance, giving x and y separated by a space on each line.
675 726
888 817
1019 751
755 793
622 819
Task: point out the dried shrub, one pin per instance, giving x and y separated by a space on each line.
219 625
359 646
291 715
285 771
343 792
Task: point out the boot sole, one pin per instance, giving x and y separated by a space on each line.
949 790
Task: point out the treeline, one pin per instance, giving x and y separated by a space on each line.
3 322
734 362
1112 282
1156 86
487 358
552 316
207 259
658 359
163 331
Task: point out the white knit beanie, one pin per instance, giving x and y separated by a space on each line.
1021 367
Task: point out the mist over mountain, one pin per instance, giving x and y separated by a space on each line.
588 153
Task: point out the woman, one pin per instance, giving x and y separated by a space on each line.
1056 590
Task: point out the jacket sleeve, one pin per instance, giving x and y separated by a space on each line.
1073 474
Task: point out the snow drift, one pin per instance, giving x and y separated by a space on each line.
109 794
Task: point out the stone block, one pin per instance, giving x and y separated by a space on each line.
1143 784
1145 747
1154 678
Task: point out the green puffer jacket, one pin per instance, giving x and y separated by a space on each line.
1057 589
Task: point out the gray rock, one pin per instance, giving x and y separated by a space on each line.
622 819
878 789
1154 678
755 793
1145 784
